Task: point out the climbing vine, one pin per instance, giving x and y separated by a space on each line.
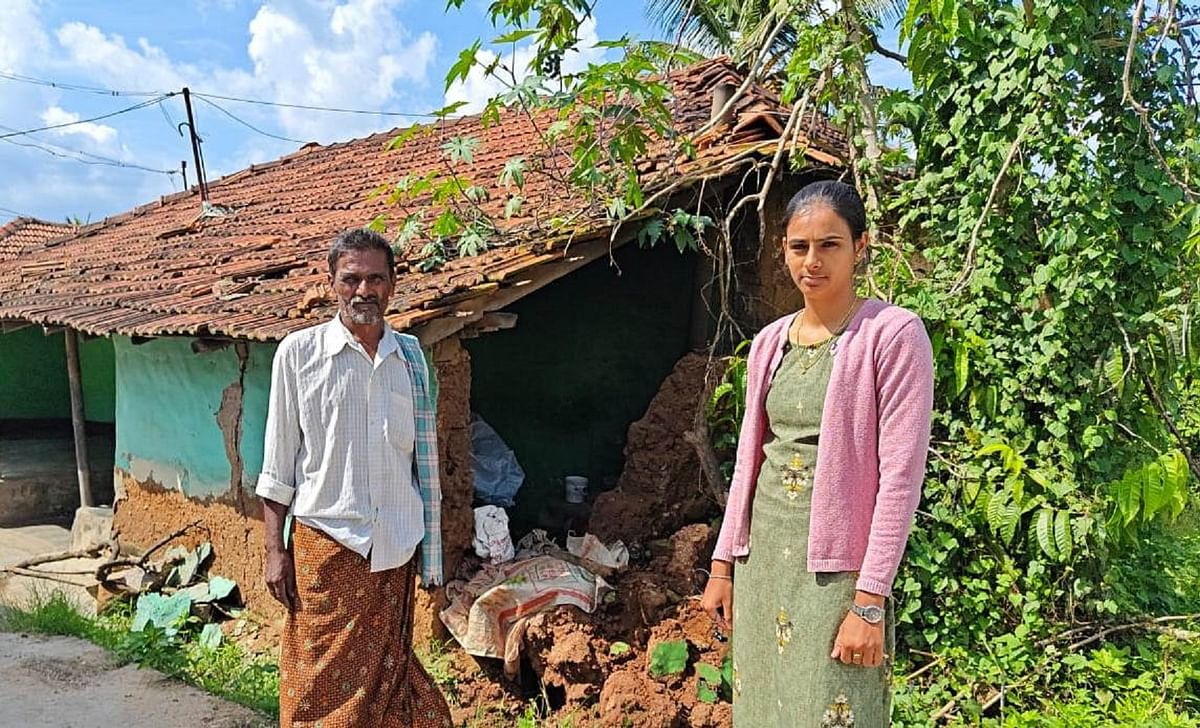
1035 198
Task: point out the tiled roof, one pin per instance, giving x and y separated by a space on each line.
25 234
258 271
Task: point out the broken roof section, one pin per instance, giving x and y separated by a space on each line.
256 269
23 235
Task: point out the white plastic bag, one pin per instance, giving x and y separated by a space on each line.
492 540
498 475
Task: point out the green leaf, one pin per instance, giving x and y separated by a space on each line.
403 137
962 367
616 649
1114 370
514 36
211 636
166 613
461 67
447 224
219 587
669 658
1176 476
449 109
1044 528
1154 490
1129 494
461 149
651 233
704 693
708 673
513 206
514 172
378 224
1062 534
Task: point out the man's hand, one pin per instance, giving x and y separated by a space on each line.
280 568
281 577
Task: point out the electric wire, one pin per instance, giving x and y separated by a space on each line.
76 154
14 213
245 123
109 115
74 87
307 107
219 97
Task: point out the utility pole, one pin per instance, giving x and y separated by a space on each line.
183 168
191 122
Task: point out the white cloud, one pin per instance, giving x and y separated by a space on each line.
109 60
477 88
21 34
98 133
357 59
351 54
345 53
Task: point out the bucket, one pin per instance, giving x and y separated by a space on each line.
576 488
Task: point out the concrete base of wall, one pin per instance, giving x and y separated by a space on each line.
38 479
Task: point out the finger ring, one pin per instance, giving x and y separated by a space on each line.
857 658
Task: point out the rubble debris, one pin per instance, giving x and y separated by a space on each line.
661 488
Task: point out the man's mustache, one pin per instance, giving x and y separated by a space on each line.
364 299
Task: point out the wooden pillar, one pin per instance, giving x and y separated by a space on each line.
77 422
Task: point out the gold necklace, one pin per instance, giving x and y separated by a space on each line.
837 330
813 353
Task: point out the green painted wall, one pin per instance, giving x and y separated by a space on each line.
588 354
33 377
167 403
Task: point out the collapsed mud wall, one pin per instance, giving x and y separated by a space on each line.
661 487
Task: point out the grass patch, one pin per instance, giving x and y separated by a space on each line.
226 671
439 663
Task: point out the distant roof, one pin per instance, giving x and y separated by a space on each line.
25 234
257 269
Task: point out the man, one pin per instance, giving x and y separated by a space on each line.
351 448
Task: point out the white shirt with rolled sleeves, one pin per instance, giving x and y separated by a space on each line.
339 442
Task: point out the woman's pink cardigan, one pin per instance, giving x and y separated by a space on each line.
871 457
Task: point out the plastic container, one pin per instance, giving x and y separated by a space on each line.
576 487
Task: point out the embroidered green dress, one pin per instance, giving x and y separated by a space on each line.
784 617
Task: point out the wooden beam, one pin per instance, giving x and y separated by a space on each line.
468 312
77 422
7 327
490 322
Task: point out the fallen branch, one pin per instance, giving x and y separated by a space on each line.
103 571
924 669
63 556
18 571
1145 624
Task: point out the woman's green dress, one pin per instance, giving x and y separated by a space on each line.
784 617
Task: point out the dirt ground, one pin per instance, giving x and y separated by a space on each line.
66 682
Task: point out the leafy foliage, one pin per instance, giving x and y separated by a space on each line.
668 658
1033 197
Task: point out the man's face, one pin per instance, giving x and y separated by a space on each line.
363 285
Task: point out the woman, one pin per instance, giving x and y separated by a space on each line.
828 475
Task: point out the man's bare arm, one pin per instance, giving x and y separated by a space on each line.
280 568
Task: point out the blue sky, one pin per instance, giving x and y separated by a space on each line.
363 54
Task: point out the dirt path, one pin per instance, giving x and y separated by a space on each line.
66 682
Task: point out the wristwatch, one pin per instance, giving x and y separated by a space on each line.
870 614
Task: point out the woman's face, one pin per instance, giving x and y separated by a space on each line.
820 253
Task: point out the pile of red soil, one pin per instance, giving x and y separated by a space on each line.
662 486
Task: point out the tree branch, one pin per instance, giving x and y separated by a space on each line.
969 263
885 52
